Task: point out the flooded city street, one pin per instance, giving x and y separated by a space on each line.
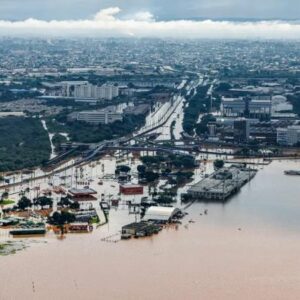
247 248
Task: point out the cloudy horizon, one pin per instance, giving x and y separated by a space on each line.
162 9
115 22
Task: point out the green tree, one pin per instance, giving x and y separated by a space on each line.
24 203
123 169
141 169
151 176
219 164
61 218
43 201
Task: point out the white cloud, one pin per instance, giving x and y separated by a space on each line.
106 24
144 16
107 14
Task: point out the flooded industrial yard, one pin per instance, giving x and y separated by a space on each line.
247 248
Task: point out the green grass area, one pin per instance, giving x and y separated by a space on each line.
23 143
6 202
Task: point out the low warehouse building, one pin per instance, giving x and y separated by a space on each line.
139 229
161 214
131 189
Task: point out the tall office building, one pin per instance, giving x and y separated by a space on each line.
241 129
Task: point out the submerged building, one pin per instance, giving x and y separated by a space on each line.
161 214
222 184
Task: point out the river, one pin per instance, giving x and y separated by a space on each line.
247 248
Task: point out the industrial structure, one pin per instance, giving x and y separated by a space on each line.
107 115
255 107
222 183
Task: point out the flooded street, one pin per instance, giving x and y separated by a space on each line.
163 114
51 135
247 248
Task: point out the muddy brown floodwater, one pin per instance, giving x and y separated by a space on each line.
246 249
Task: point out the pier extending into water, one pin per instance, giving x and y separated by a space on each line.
222 184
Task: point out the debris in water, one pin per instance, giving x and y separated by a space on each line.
10 247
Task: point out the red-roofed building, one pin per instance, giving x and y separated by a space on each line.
131 189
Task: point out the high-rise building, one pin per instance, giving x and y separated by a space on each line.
241 129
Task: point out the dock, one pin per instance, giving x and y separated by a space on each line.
222 184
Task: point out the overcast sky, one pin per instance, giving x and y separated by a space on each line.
151 18
161 9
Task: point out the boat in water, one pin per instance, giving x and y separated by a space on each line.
29 228
292 172
41 230
80 227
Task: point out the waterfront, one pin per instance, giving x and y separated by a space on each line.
245 249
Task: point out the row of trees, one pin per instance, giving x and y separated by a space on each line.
42 202
166 166
197 104
87 133
171 161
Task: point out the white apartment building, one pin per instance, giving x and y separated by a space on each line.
68 87
89 91
289 136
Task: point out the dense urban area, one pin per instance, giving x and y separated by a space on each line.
152 125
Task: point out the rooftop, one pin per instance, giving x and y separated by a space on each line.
87 191
160 213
